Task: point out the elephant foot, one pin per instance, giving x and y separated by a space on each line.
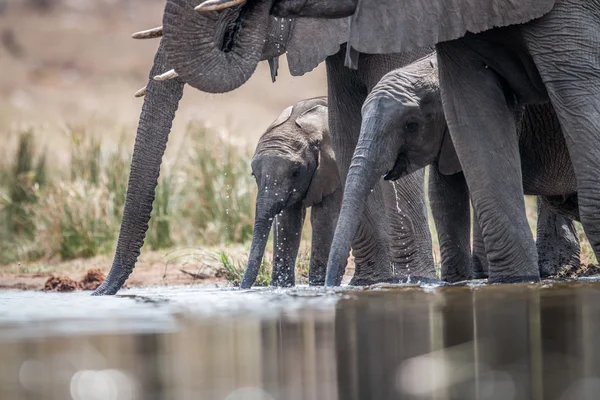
399 280
420 280
559 265
515 279
368 282
470 282
282 284
480 275
453 278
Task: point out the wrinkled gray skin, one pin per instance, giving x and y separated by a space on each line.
404 130
495 56
294 167
217 52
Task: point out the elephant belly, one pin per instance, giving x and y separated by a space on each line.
504 51
545 161
546 182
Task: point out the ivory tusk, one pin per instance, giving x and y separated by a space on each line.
166 76
149 33
215 5
141 92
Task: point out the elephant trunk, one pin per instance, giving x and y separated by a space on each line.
263 220
215 51
365 171
160 104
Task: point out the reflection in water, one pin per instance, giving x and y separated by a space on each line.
488 342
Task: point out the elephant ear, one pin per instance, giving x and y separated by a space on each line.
448 163
326 179
283 117
404 25
313 40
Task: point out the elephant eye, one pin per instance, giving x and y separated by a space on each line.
295 173
411 126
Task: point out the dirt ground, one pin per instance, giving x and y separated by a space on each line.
154 268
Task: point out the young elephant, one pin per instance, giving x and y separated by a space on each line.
294 166
404 129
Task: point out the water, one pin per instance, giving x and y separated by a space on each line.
472 342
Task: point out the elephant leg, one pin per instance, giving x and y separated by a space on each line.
286 242
483 131
567 206
449 200
323 219
346 94
556 240
568 63
410 237
479 259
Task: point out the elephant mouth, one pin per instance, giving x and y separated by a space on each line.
399 169
233 27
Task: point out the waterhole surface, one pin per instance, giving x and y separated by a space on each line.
405 342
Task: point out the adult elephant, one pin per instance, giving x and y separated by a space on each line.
216 49
494 55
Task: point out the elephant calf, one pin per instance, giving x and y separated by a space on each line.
294 167
404 130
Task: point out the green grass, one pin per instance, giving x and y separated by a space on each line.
205 197
233 269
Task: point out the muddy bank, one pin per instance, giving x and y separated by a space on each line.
197 267
152 269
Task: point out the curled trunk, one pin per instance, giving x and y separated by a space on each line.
158 111
215 51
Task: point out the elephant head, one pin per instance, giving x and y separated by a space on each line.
403 130
214 47
293 163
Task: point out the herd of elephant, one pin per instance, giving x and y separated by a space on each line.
500 100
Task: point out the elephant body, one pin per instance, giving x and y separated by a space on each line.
294 167
496 56
404 130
